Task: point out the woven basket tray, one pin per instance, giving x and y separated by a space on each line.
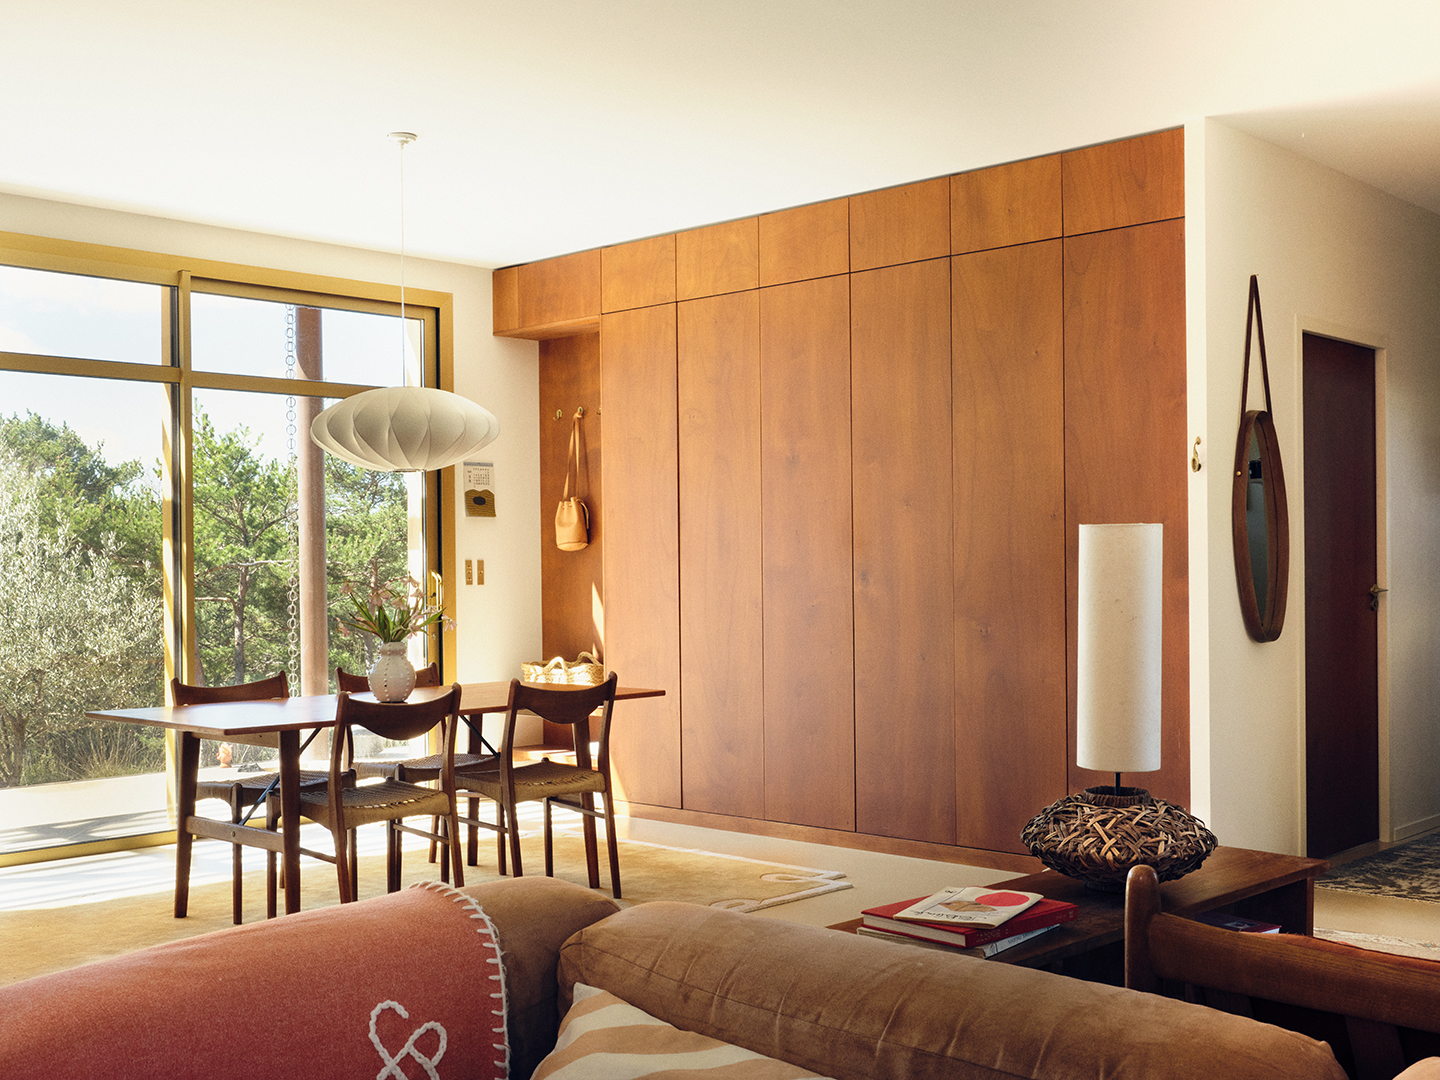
584 670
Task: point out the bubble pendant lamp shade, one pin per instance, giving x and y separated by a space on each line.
404 429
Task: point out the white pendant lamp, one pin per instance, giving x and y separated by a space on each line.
404 428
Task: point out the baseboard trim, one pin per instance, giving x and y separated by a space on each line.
1416 828
885 845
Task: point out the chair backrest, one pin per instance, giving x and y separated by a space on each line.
276 686
570 705
360 684
1370 994
426 709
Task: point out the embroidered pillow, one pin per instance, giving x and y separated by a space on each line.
604 1036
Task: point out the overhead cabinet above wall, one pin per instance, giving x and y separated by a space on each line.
848 449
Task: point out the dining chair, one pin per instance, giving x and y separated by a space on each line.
342 805
574 787
420 770
246 790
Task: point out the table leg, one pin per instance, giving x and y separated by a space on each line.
290 817
187 773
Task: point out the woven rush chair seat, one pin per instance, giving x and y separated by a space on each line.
342 804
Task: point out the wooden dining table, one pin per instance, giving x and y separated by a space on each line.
276 723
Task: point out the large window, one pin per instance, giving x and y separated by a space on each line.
163 512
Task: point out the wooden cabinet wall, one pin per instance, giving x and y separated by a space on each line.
847 450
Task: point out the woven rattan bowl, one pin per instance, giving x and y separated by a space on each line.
1097 836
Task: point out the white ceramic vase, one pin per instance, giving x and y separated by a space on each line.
393 676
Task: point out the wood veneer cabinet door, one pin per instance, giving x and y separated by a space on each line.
1129 182
642 557
1018 203
808 594
900 224
1126 458
559 290
805 242
1011 757
638 274
721 639
717 259
904 644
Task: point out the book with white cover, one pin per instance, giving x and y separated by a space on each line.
973 906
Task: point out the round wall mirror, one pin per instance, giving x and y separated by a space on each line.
1261 527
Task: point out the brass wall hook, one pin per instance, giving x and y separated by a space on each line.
560 413
1195 455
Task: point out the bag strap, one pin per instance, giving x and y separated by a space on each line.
1253 314
572 461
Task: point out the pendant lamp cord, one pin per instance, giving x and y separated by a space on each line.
404 138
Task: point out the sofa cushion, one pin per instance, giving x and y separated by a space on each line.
860 1009
602 1035
533 916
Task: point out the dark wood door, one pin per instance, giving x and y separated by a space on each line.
1342 766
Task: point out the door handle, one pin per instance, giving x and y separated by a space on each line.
1375 591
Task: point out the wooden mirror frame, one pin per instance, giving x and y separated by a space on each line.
1262 625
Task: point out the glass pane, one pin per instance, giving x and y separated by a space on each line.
51 314
241 336
80 585
271 589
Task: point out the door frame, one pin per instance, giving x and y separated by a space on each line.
1378 341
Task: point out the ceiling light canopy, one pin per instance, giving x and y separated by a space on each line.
404 429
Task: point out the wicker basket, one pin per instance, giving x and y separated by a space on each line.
1097 836
584 670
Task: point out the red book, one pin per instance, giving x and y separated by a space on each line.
1041 914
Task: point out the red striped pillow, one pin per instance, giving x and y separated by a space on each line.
604 1036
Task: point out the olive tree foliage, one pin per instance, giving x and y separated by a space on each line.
80 629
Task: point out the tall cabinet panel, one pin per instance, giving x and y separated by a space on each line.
642 557
1009 540
1125 444
904 648
808 605
721 643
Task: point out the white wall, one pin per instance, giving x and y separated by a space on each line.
1343 259
498 624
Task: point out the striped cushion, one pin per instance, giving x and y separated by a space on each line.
603 1038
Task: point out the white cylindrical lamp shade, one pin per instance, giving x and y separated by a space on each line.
404 429
1118 658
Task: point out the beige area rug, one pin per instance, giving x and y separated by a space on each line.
37 941
1426 950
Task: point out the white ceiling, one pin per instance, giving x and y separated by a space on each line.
549 126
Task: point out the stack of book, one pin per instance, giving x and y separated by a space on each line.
978 921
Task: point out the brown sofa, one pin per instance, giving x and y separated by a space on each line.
839 1005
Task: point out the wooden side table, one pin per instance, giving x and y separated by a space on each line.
1256 884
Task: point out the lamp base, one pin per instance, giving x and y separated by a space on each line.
1099 834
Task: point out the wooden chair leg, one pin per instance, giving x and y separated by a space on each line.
272 822
342 862
452 835
392 856
500 837
514 821
472 840
612 842
549 851
587 828
237 860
